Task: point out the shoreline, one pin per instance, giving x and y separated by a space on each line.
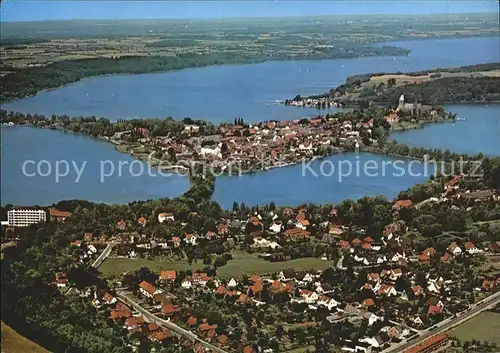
263 60
352 92
339 150
250 62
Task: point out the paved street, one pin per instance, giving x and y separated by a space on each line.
447 324
103 255
128 299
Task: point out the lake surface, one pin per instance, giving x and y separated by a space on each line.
221 93
345 176
291 185
20 144
479 132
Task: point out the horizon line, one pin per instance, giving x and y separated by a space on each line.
215 19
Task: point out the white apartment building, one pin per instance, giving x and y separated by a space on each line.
22 217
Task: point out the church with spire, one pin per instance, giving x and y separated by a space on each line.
412 108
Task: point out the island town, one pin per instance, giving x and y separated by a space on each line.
248 147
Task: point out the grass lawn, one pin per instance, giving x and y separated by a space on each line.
241 263
484 327
12 342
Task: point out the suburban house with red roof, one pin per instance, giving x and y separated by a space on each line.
471 248
162 217
142 221
58 216
121 225
148 290
168 275
399 204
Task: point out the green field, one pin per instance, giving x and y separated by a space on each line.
484 327
241 264
12 342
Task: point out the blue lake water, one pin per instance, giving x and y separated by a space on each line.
333 179
220 93
20 144
284 186
477 129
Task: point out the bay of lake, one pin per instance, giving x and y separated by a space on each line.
332 179
477 129
284 186
22 143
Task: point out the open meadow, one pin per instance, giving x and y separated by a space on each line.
12 342
484 327
239 265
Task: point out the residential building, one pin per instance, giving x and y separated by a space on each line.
58 216
232 283
190 239
168 275
148 290
454 249
471 248
276 227
429 345
200 278
162 217
23 217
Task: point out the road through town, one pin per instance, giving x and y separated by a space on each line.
447 324
103 255
125 297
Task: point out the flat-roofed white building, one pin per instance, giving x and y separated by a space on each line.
23 217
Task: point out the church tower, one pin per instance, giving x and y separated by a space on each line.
401 102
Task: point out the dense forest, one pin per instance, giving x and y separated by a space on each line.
469 68
444 90
440 90
28 81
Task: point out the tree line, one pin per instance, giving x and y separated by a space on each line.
445 90
94 126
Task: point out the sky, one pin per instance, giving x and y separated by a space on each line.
37 10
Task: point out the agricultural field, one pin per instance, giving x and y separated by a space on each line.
12 342
475 83
240 264
403 79
484 327
42 43
35 56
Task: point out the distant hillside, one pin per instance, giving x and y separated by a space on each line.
445 90
12 342
390 27
475 83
